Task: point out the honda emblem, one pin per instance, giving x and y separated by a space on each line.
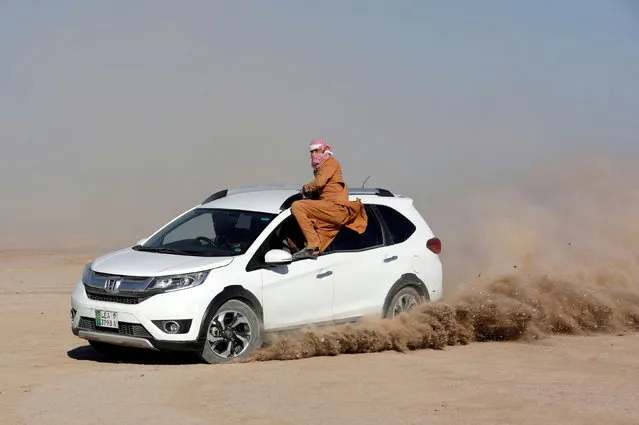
112 285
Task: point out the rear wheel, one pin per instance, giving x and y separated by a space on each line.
404 300
233 332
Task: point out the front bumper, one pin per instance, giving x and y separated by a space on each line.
136 327
126 341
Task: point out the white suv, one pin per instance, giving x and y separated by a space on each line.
219 276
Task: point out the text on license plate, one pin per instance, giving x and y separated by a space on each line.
106 319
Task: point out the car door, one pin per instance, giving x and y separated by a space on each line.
363 271
399 256
298 293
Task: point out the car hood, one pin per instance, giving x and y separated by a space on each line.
129 262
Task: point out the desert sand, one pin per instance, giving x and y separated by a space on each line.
49 376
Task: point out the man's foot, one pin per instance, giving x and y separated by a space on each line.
306 253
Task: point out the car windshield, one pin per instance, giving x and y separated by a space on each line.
209 232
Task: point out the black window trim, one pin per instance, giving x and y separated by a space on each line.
387 231
388 237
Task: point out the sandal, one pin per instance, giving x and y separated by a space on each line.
307 252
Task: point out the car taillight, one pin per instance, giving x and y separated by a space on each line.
434 245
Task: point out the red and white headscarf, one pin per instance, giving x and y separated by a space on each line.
317 159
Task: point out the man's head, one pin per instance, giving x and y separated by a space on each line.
320 152
320 146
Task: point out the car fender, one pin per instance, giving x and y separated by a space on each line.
228 293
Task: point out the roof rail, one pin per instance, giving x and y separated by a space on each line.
371 191
244 189
352 191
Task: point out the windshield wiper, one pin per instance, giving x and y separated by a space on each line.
162 249
166 250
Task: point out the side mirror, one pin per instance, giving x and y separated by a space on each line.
141 241
278 257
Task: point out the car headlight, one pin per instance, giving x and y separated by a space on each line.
86 274
181 281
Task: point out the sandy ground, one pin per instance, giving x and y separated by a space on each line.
49 376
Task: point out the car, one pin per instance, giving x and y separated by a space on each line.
220 277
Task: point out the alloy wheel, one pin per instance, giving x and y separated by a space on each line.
229 334
404 303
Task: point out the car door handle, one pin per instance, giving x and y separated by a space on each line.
389 259
325 274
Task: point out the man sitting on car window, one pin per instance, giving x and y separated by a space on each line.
322 217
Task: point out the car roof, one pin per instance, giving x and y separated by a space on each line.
264 200
275 198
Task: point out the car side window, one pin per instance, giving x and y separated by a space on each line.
350 240
287 236
399 226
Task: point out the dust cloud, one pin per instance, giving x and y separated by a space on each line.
554 253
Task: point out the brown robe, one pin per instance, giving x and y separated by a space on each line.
320 220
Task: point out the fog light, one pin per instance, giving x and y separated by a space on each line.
172 327
72 314
175 326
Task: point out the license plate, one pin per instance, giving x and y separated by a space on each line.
106 319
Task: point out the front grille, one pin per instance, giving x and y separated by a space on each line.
125 298
115 299
124 328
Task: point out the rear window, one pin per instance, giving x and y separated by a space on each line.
399 226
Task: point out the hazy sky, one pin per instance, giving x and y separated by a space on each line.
116 116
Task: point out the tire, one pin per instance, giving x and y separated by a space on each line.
224 343
404 300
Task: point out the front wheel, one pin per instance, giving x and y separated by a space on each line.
233 333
